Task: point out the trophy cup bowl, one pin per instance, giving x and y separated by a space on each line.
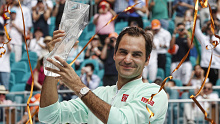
74 20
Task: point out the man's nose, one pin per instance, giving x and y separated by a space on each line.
128 58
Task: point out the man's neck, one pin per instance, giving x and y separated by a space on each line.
122 81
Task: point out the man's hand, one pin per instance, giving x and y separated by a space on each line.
57 3
56 38
107 41
152 3
67 74
175 30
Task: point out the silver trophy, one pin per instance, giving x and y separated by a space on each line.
74 20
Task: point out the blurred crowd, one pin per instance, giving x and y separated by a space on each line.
170 26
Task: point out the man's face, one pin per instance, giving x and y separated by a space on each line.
89 70
2 97
13 16
198 71
207 88
130 57
40 4
155 31
181 29
38 34
113 41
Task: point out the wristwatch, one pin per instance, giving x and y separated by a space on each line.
83 91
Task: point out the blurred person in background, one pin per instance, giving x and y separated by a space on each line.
58 12
105 14
74 52
111 74
120 6
164 38
27 15
15 31
197 77
170 83
88 77
159 11
5 61
111 2
151 68
48 2
192 112
45 51
188 19
34 100
38 77
206 40
179 47
136 13
3 100
180 6
204 12
41 13
37 44
94 51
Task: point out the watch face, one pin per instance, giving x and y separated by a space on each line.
84 90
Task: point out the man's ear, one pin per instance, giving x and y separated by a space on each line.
147 61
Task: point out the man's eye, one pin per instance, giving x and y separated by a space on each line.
123 52
136 55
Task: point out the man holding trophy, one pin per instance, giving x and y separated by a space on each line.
122 103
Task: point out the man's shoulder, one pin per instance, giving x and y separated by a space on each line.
164 32
149 88
214 95
103 89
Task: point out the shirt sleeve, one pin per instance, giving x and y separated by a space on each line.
135 112
168 38
198 33
73 111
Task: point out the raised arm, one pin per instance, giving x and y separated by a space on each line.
56 8
49 89
198 33
105 49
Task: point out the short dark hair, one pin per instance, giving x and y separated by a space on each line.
91 65
195 66
180 24
136 32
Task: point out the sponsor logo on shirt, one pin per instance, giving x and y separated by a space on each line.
145 100
124 97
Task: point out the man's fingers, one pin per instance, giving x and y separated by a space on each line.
59 35
64 63
55 63
76 42
57 32
53 42
53 70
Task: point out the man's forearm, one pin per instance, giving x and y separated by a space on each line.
49 93
97 106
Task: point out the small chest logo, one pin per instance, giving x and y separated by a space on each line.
124 97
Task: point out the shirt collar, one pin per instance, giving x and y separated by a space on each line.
130 84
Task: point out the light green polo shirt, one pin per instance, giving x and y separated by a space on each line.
128 106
